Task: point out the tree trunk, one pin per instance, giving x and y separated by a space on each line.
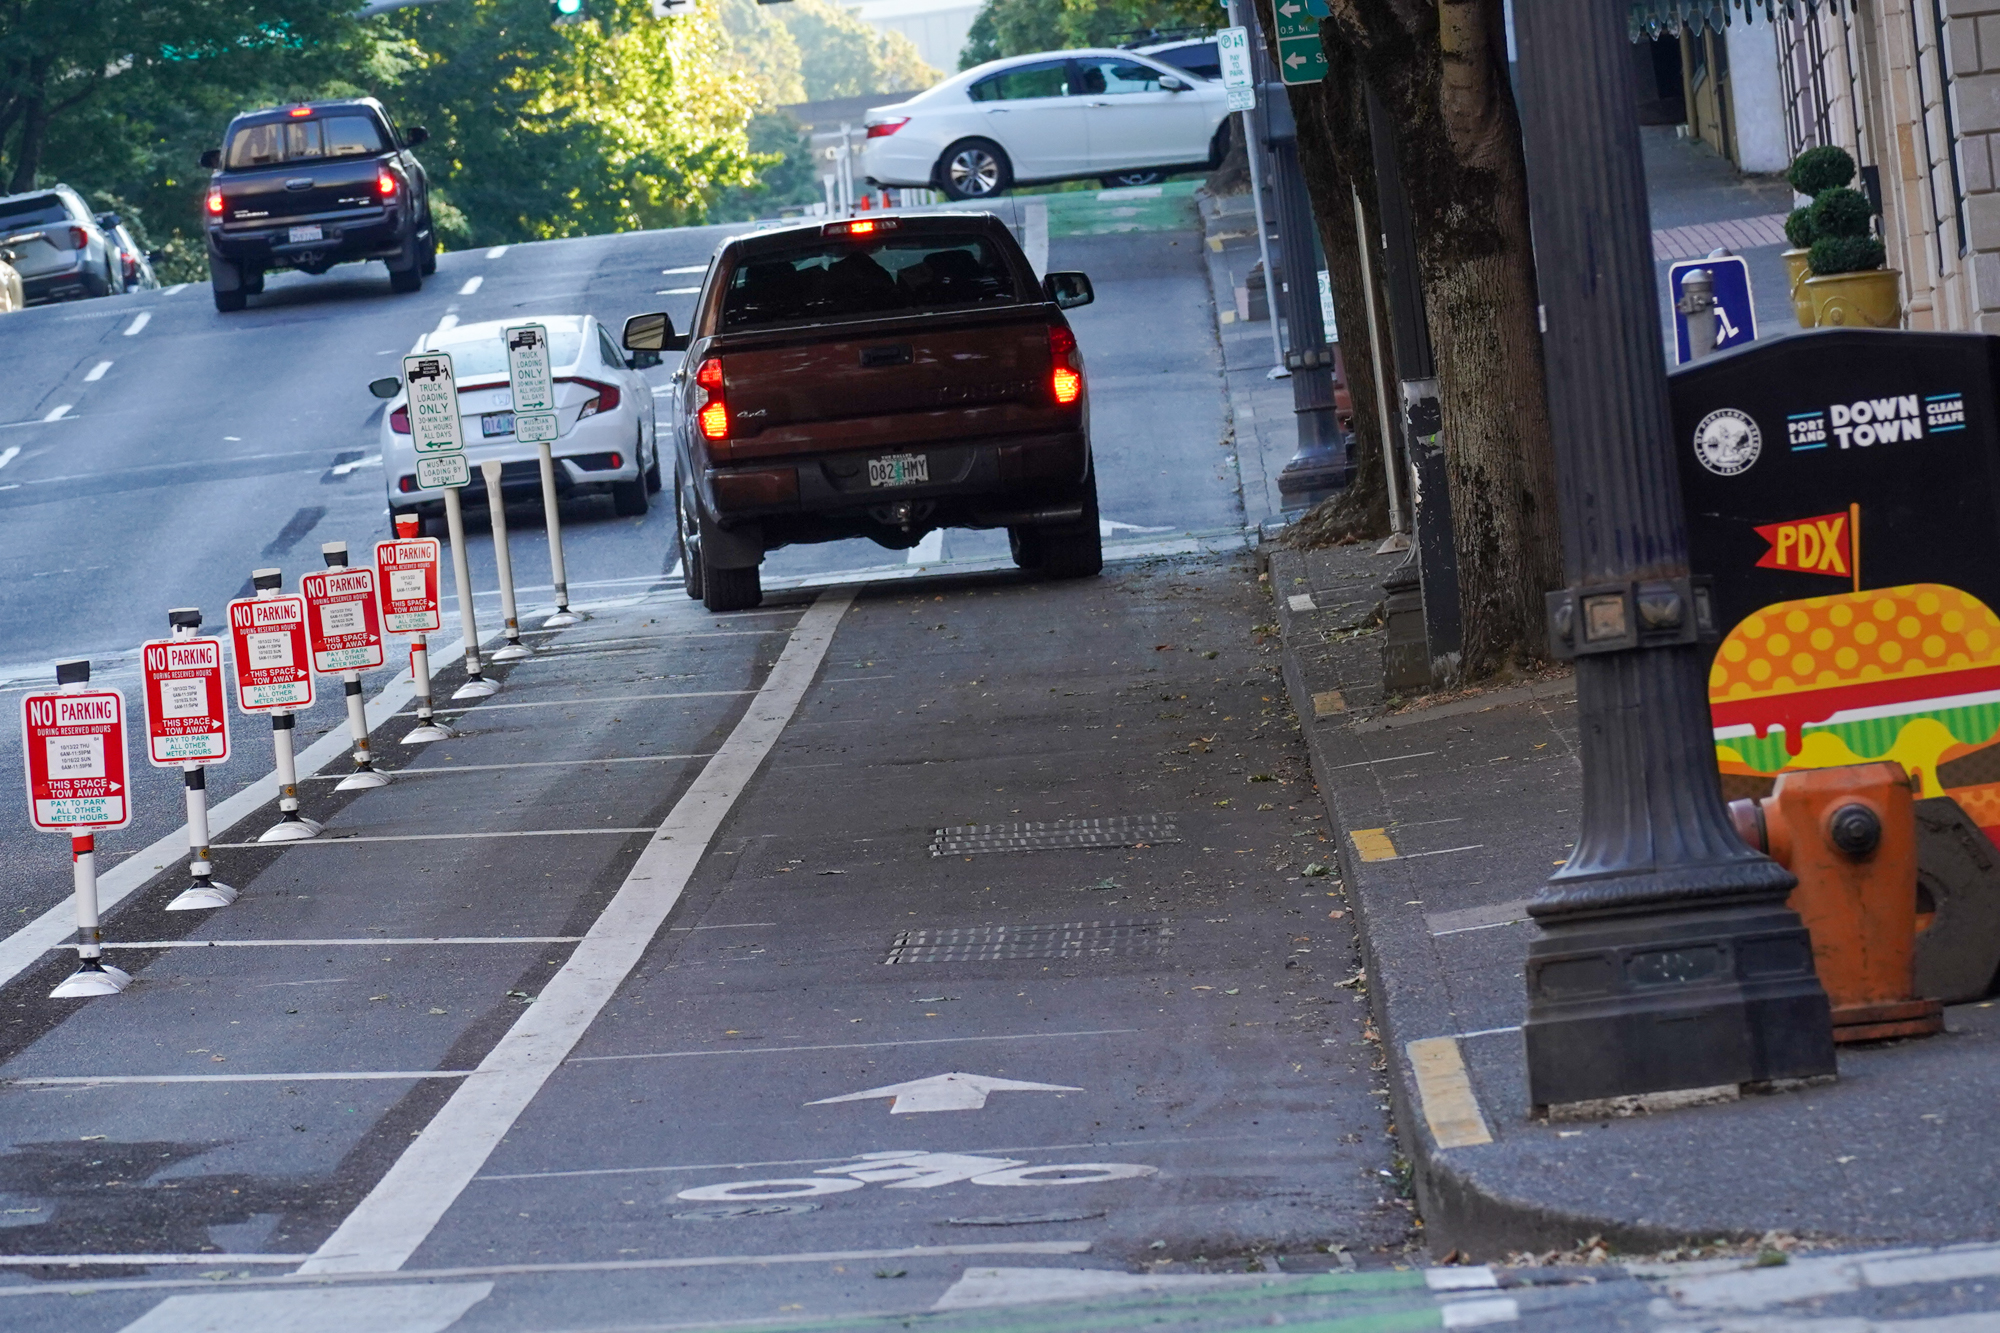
34 130
1441 71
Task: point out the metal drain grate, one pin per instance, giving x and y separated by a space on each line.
1055 835
1069 939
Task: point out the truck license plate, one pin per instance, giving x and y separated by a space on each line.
311 233
899 470
496 423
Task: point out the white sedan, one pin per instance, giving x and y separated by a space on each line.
1060 115
604 418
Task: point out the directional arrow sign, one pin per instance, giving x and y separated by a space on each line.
943 1092
1301 57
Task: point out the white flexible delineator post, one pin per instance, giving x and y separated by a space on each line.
365 774
503 560
93 976
476 685
558 575
291 825
428 728
204 892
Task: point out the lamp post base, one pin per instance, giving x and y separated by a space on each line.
1619 1006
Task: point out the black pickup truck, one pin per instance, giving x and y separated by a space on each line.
314 185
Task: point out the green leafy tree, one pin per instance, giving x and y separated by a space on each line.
1018 27
840 56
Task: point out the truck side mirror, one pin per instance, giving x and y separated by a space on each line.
212 158
1068 290
415 135
653 333
386 387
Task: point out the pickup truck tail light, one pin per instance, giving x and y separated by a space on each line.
399 421
385 184
1065 376
606 400
215 202
883 129
713 416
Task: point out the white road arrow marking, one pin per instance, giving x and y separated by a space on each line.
9 454
943 1092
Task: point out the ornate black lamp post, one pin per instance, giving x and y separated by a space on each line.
1669 959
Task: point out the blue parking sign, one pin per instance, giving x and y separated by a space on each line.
1735 316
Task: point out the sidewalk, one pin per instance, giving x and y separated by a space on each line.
1451 818
1267 432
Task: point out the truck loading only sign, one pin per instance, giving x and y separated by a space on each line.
1843 494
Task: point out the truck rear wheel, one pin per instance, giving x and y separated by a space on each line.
1074 550
731 589
688 551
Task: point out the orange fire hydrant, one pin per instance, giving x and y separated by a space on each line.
1850 835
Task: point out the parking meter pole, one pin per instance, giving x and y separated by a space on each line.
1697 307
1321 461
364 775
476 685
291 825
1667 958
503 559
203 892
92 976
1243 14
552 521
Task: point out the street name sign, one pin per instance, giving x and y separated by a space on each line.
186 722
1301 57
343 623
1735 312
408 584
273 657
74 745
1232 45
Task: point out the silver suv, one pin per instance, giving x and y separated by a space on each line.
59 249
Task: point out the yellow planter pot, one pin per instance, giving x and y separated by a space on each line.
1868 300
1798 272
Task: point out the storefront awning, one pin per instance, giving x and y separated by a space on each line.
1660 18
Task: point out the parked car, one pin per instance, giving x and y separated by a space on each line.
880 378
135 265
310 186
605 437
1059 115
59 250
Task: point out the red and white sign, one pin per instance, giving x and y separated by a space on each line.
273 661
409 586
75 747
346 629
186 722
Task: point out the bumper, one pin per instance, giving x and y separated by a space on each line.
908 164
1017 481
376 234
63 284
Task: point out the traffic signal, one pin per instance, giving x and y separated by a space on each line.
565 11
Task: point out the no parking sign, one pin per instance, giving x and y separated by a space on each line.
74 745
186 722
345 628
273 660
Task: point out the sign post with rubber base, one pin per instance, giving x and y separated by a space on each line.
406 581
346 632
534 393
274 675
496 508
440 448
73 742
187 727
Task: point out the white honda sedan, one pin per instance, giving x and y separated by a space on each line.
604 419
1123 117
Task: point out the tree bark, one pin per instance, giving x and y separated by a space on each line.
34 108
1441 71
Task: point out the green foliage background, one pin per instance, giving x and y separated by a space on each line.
1017 27
537 129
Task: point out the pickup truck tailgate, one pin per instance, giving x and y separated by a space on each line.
889 382
300 190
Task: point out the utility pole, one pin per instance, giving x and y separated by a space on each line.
1668 958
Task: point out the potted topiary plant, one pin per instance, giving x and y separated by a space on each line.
1847 284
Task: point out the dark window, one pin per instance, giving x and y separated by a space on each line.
608 349
1048 79
840 279
303 140
1108 76
1199 58
39 211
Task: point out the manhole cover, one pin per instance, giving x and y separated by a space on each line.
745 1210
1069 939
1054 835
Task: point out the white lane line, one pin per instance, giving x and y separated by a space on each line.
447 770
139 321
88 1287
448 322
1496 1310
338 840
1392 759
607 699
425 940
851 1045
472 284
497 251
342 469
108 1080
38 421
928 551
685 268
396 1309
677 291
9 454
59 412
97 372
400 1212
730 925
175 290
151 1260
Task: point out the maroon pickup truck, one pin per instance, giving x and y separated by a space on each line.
882 378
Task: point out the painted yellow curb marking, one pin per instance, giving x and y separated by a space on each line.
1445 1090
1373 844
